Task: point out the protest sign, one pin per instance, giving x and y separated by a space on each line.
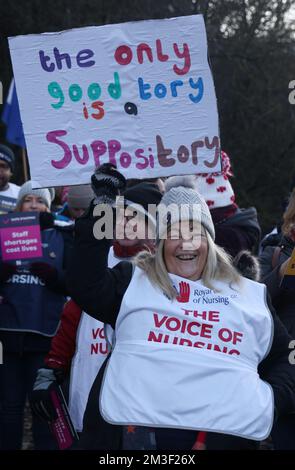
20 236
140 95
62 427
7 204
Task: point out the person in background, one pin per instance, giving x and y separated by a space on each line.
32 297
58 202
78 200
273 263
8 191
236 229
274 237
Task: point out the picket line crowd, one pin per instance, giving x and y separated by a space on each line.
179 343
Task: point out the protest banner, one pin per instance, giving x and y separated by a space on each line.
140 95
20 236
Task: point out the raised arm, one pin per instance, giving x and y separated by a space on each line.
97 289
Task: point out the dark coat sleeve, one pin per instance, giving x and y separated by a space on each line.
63 344
97 289
276 368
270 276
272 282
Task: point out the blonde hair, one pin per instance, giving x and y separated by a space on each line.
289 215
218 267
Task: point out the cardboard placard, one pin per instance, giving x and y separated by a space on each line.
20 236
139 94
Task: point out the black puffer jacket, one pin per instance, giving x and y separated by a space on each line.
283 299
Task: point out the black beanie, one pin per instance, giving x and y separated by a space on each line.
143 194
7 155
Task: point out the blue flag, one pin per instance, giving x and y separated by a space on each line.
11 117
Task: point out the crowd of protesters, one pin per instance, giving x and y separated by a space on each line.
81 316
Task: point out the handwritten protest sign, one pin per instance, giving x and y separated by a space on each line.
139 94
20 236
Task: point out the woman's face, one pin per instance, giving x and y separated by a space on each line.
33 203
186 250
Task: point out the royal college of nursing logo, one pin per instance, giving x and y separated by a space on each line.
183 292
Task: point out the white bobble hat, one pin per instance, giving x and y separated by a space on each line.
185 203
46 194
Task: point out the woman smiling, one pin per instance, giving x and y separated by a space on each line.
177 365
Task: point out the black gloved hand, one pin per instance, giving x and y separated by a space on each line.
106 183
40 397
45 272
6 271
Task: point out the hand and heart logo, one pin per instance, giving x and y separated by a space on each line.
184 292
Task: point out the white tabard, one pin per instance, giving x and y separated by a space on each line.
191 363
91 352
